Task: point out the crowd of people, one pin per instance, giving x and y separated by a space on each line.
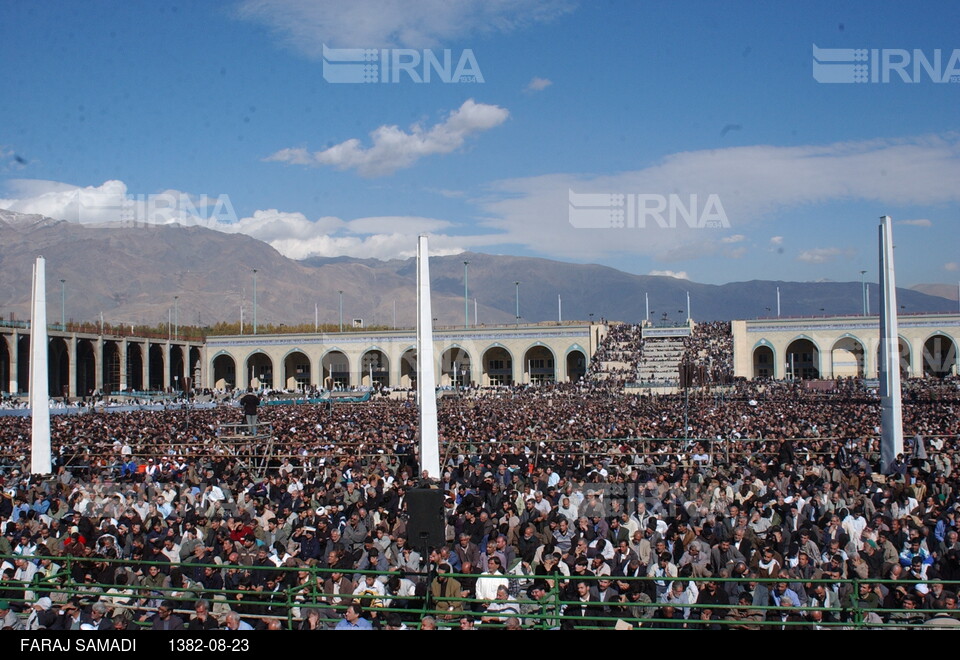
625 356
709 350
566 505
615 361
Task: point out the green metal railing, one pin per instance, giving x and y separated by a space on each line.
290 604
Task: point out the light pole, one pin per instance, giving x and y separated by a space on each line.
340 293
518 302
254 301
466 299
63 304
176 317
863 292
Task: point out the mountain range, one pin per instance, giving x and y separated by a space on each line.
140 275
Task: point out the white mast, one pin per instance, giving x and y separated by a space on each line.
40 462
891 412
426 378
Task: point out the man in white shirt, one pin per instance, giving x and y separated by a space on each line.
491 580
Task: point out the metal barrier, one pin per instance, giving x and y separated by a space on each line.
291 604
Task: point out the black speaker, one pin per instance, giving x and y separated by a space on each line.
425 518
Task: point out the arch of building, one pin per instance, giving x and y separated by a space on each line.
58 367
803 359
296 370
86 373
258 368
577 363
496 366
111 367
135 381
764 360
408 368
195 367
23 363
5 364
155 370
178 368
456 367
335 369
224 371
539 364
939 355
848 357
374 363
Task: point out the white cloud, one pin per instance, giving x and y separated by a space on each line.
296 236
735 238
272 225
819 255
951 266
292 234
776 240
90 204
395 149
919 222
308 24
538 84
680 275
753 183
376 246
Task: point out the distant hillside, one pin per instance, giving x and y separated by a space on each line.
948 291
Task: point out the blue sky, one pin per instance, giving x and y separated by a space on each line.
229 100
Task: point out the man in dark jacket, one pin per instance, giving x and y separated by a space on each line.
164 619
249 402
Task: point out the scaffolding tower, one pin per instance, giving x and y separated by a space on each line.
253 451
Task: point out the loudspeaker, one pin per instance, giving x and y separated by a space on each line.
425 521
